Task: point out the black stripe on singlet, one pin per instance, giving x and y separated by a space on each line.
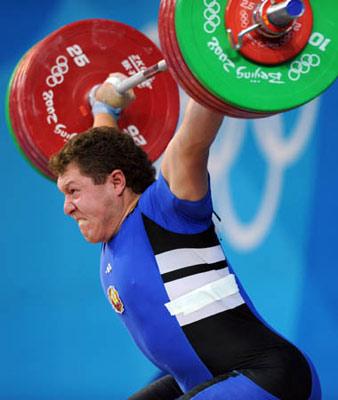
236 340
163 240
194 269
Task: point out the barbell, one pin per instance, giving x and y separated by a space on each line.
243 58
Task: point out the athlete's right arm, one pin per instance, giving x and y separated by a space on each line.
107 103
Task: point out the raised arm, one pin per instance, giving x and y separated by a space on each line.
106 103
104 119
185 160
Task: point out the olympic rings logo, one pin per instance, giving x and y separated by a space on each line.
279 151
58 71
302 67
211 16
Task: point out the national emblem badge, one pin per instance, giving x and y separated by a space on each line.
115 300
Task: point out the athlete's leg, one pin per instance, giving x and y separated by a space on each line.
163 389
234 386
316 392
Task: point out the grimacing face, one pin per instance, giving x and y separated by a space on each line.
96 208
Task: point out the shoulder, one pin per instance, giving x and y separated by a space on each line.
162 206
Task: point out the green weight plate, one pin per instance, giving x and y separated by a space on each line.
182 73
203 41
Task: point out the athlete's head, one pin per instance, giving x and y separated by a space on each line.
99 151
99 172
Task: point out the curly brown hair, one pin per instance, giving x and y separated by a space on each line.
99 151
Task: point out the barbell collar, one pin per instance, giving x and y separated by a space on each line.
237 46
282 14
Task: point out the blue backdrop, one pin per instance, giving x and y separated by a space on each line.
275 186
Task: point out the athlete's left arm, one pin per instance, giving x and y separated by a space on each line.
185 161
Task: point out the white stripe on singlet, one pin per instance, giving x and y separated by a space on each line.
202 295
181 258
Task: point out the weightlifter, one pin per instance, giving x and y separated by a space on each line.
162 267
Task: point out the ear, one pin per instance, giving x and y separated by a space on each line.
118 180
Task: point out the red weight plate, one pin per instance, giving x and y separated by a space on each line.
23 140
20 136
183 74
59 72
262 49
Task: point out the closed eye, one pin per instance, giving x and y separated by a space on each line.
73 191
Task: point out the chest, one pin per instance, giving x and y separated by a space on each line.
129 274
